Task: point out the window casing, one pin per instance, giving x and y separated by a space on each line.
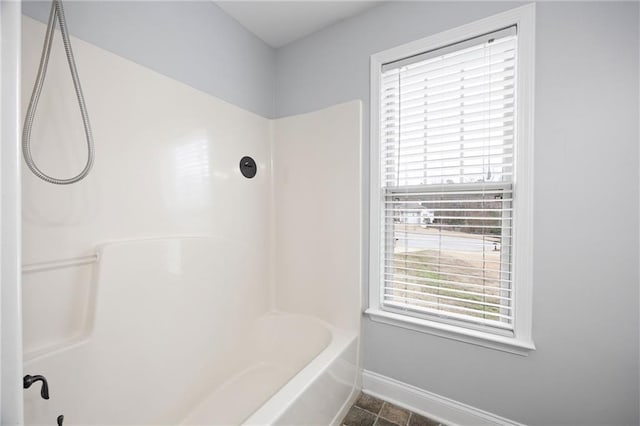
451 196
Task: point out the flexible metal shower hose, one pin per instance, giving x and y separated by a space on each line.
57 12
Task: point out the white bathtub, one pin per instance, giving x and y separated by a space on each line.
297 370
174 335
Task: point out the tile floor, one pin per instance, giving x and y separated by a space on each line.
371 411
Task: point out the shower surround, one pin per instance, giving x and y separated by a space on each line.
167 288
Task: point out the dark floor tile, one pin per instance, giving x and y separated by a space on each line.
359 417
385 422
394 414
369 403
418 420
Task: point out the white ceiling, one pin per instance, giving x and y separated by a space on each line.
281 22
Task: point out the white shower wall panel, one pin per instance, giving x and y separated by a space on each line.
167 160
317 216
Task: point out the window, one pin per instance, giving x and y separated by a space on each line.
451 194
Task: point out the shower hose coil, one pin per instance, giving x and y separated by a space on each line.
57 13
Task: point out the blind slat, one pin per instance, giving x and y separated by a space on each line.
497 288
448 295
497 117
445 265
489 75
410 112
399 306
460 129
467 79
449 306
472 96
501 114
413 262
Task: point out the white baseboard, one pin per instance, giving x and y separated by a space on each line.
428 404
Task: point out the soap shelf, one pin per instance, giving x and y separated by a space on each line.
59 263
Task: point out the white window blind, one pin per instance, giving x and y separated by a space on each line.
447 126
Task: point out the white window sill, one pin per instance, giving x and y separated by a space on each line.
475 337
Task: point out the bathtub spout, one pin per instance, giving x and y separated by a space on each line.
28 380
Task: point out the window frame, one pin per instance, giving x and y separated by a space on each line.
520 342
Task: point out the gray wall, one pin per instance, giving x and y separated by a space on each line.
585 370
193 42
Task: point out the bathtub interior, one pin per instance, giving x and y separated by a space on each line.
205 281
278 347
